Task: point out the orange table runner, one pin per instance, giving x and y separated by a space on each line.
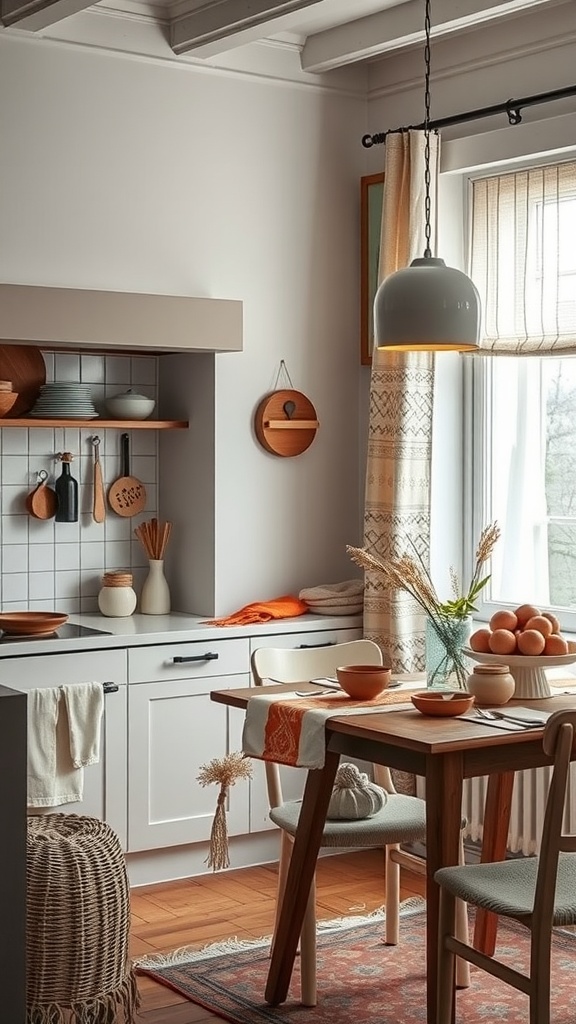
292 731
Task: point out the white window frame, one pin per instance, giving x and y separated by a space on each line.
476 373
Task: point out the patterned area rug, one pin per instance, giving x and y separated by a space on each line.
360 979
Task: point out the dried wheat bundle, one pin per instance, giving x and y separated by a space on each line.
225 771
154 536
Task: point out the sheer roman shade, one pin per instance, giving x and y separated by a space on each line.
523 260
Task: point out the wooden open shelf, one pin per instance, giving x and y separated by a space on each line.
100 424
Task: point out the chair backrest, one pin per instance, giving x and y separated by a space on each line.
299 665
559 742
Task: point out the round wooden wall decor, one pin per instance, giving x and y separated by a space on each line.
285 423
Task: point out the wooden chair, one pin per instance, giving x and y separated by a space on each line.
539 892
401 820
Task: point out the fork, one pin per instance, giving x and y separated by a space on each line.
501 716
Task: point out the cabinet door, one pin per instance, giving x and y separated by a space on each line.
104 790
173 729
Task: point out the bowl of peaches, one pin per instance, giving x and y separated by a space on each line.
528 641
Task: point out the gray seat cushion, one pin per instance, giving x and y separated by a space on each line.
401 820
508 887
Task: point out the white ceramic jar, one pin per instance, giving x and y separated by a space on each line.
117 597
491 684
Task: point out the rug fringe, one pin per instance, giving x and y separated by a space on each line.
188 954
413 905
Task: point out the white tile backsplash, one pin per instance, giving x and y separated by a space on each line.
67 366
14 586
15 558
14 441
44 564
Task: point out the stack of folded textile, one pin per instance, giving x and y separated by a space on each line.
335 598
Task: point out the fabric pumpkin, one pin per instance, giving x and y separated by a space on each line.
354 796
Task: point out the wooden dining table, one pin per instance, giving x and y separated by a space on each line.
444 751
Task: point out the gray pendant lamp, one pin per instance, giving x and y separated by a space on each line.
427 306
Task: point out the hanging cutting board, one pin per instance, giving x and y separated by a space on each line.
127 495
285 423
24 365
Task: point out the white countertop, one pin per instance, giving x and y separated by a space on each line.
141 630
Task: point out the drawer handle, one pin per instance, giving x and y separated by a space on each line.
325 643
179 660
110 687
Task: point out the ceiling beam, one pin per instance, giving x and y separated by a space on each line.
224 24
400 27
37 14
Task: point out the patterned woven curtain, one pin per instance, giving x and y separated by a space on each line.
523 260
397 506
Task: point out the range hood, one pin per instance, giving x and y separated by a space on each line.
138 321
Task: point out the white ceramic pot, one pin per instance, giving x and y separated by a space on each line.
491 684
130 406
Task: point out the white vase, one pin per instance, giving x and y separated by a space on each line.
155 596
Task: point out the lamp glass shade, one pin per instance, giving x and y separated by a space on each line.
427 307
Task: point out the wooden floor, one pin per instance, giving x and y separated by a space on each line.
240 903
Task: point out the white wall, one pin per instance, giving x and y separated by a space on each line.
129 174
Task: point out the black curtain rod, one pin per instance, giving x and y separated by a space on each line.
512 108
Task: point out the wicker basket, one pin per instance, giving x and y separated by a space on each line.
78 924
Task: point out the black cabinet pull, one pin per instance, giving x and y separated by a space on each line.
325 643
209 656
110 687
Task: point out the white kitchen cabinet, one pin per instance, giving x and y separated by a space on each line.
173 729
292 779
104 783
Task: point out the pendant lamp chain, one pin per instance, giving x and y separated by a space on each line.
427 205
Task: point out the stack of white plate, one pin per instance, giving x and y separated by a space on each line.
64 400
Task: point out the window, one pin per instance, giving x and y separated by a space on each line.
523 260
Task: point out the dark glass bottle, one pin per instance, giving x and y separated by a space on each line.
66 488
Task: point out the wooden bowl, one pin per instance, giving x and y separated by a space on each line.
363 682
7 401
31 623
442 703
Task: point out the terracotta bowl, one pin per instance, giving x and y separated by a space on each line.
31 623
442 703
363 682
7 400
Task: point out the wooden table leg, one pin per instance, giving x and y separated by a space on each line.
317 795
444 776
494 837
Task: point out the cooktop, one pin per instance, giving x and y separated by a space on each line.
69 631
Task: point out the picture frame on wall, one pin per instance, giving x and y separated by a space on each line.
371 195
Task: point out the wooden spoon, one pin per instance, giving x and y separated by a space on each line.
42 502
127 495
98 498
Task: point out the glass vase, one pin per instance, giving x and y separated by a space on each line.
155 596
446 666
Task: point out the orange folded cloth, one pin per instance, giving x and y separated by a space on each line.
286 607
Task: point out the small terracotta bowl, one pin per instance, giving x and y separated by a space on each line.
442 703
363 682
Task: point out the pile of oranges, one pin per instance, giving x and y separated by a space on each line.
526 630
